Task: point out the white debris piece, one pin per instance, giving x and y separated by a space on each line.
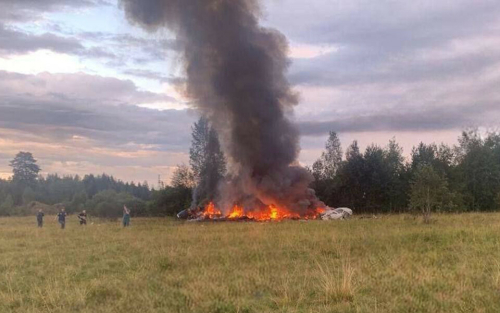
336 214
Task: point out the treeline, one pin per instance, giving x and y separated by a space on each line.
463 177
434 178
458 178
103 195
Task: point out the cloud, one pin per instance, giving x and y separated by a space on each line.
79 87
82 156
140 50
382 25
397 67
173 80
16 42
80 123
116 49
29 10
103 109
363 67
432 119
380 42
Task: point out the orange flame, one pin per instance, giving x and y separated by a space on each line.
270 213
274 213
236 212
211 211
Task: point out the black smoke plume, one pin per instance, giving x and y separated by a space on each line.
236 77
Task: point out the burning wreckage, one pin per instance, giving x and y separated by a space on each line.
269 213
235 76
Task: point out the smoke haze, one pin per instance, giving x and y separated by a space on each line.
236 78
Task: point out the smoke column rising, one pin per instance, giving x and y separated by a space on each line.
236 77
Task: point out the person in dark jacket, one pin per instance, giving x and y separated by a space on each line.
61 217
39 218
83 218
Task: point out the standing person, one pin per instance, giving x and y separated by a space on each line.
126 216
39 218
61 217
83 218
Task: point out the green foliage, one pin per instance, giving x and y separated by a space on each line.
25 169
183 177
379 180
429 191
207 160
7 206
375 181
478 169
351 175
75 194
170 201
331 159
78 202
28 195
109 204
199 142
397 184
318 170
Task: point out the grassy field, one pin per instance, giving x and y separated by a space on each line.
390 264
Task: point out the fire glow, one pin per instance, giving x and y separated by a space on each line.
268 213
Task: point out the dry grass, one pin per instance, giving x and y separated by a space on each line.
393 264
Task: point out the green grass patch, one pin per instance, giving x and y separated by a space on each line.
390 264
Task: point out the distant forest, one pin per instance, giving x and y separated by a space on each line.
435 178
442 178
26 192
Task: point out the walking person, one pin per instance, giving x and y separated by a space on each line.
126 216
83 218
39 218
61 217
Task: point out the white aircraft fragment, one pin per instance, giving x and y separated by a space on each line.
336 214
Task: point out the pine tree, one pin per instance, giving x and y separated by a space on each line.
332 157
330 161
25 169
199 143
352 177
397 189
207 160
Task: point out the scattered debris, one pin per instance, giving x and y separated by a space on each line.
336 214
184 214
212 214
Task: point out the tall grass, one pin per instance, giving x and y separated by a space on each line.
392 264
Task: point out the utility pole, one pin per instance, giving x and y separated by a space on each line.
160 182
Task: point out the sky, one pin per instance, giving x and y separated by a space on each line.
87 92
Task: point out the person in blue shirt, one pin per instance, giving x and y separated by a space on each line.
39 218
61 217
